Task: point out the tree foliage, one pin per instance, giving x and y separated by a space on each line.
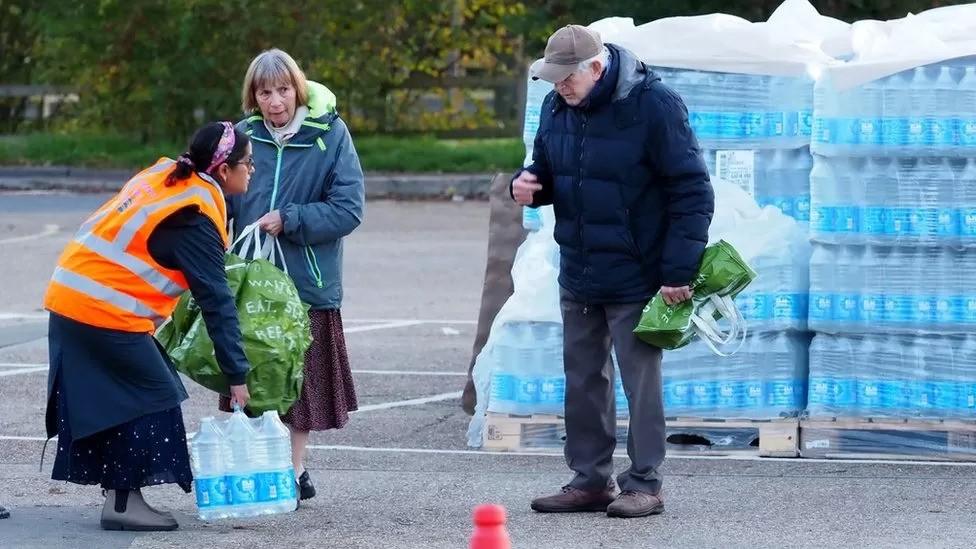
159 67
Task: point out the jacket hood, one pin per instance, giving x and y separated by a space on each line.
321 114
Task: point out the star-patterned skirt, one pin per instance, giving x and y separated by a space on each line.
146 451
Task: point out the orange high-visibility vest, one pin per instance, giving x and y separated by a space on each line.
106 276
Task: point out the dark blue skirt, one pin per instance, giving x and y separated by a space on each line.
146 451
114 402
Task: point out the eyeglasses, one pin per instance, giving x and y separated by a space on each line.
249 162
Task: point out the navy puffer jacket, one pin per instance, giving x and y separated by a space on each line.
630 190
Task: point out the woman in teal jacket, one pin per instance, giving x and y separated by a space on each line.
308 191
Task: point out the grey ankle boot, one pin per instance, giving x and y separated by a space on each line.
126 510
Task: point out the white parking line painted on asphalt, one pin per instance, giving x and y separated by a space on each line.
392 322
411 402
47 231
436 451
386 326
38 366
407 373
16 372
23 316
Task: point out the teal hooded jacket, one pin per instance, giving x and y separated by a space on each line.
316 181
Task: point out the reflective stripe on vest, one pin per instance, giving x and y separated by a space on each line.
87 286
140 268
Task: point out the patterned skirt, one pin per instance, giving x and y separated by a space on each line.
147 451
328 394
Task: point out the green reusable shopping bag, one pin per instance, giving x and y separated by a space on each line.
275 331
722 275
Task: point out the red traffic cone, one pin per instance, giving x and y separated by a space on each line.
489 528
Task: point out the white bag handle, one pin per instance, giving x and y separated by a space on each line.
706 327
256 244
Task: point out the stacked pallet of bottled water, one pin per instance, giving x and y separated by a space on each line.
536 91
242 467
529 378
894 227
755 132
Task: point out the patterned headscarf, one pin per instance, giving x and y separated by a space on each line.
224 147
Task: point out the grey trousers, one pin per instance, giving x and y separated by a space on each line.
590 412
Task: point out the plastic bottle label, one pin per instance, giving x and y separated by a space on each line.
845 393
707 125
753 392
703 394
967 132
874 220
898 222
947 310
947 224
915 135
869 131
846 220
781 394
211 492
729 395
821 391
678 393
968 310
967 222
243 489
894 132
869 392
894 395
923 221
822 219
898 309
802 208
526 390
267 487
872 308
753 306
923 309
846 308
821 306
940 132
945 395
806 123
552 391
776 125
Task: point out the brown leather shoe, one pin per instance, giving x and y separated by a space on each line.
574 500
633 504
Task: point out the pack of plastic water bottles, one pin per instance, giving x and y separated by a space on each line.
754 130
893 221
243 467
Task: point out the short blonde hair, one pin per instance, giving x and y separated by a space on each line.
271 67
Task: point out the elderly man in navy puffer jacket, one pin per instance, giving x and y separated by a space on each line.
618 161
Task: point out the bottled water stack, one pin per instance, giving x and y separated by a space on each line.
242 467
754 131
528 377
536 92
893 221
765 379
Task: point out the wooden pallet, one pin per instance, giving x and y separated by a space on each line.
896 439
686 436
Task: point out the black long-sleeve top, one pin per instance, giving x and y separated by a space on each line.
189 242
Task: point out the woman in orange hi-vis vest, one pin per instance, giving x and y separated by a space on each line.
113 395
